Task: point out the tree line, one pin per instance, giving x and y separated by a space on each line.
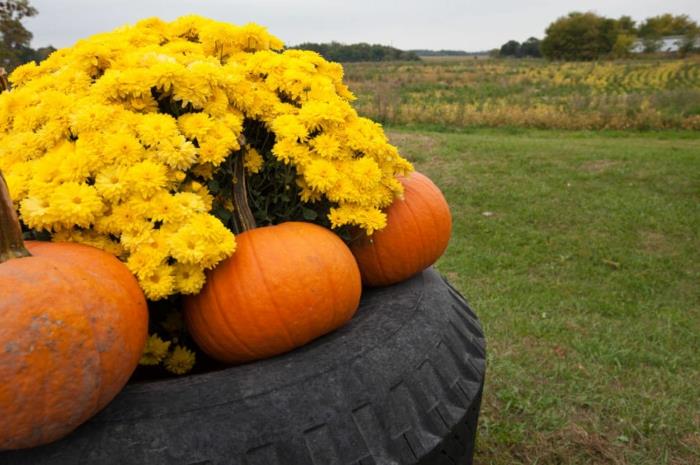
588 36
576 36
336 51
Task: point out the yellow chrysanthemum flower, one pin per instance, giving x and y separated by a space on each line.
155 351
159 283
189 279
180 360
121 142
321 175
147 178
75 204
253 160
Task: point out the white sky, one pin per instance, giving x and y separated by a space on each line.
407 24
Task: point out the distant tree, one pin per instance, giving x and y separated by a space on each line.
667 25
510 49
626 25
43 53
651 44
653 29
579 36
689 43
14 38
623 45
531 48
622 33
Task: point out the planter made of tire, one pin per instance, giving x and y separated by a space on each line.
400 384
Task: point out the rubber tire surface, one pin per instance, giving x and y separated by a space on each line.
400 384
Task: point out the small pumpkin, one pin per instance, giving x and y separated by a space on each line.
73 324
416 235
285 286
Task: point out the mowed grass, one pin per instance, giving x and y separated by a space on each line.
640 94
580 253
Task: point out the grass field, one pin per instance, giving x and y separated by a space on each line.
580 253
642 94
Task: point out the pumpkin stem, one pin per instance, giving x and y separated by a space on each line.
242 215
4 84
11 241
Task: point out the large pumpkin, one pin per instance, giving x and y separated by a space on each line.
285 286
416 235
73 324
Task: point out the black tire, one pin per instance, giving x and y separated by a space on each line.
400 384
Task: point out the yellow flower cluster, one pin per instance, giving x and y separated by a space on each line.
105 142
179 360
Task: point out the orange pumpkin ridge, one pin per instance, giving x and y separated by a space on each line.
417 233
73 327
269 293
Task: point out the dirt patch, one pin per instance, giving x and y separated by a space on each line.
692 440
598 166
452 277
586 442
654 242
576 439
573 443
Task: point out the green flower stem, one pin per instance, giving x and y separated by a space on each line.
11 241
243 216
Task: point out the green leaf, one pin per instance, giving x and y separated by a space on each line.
309 214
214 185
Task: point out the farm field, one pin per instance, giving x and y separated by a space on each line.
641 94
580 253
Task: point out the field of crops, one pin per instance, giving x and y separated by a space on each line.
641 94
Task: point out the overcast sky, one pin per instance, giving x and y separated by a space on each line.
406 24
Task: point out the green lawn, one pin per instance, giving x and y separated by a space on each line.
580 251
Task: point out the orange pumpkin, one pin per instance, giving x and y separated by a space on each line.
285 286
73 325
416 235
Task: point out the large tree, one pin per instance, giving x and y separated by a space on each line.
579 36
14 38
